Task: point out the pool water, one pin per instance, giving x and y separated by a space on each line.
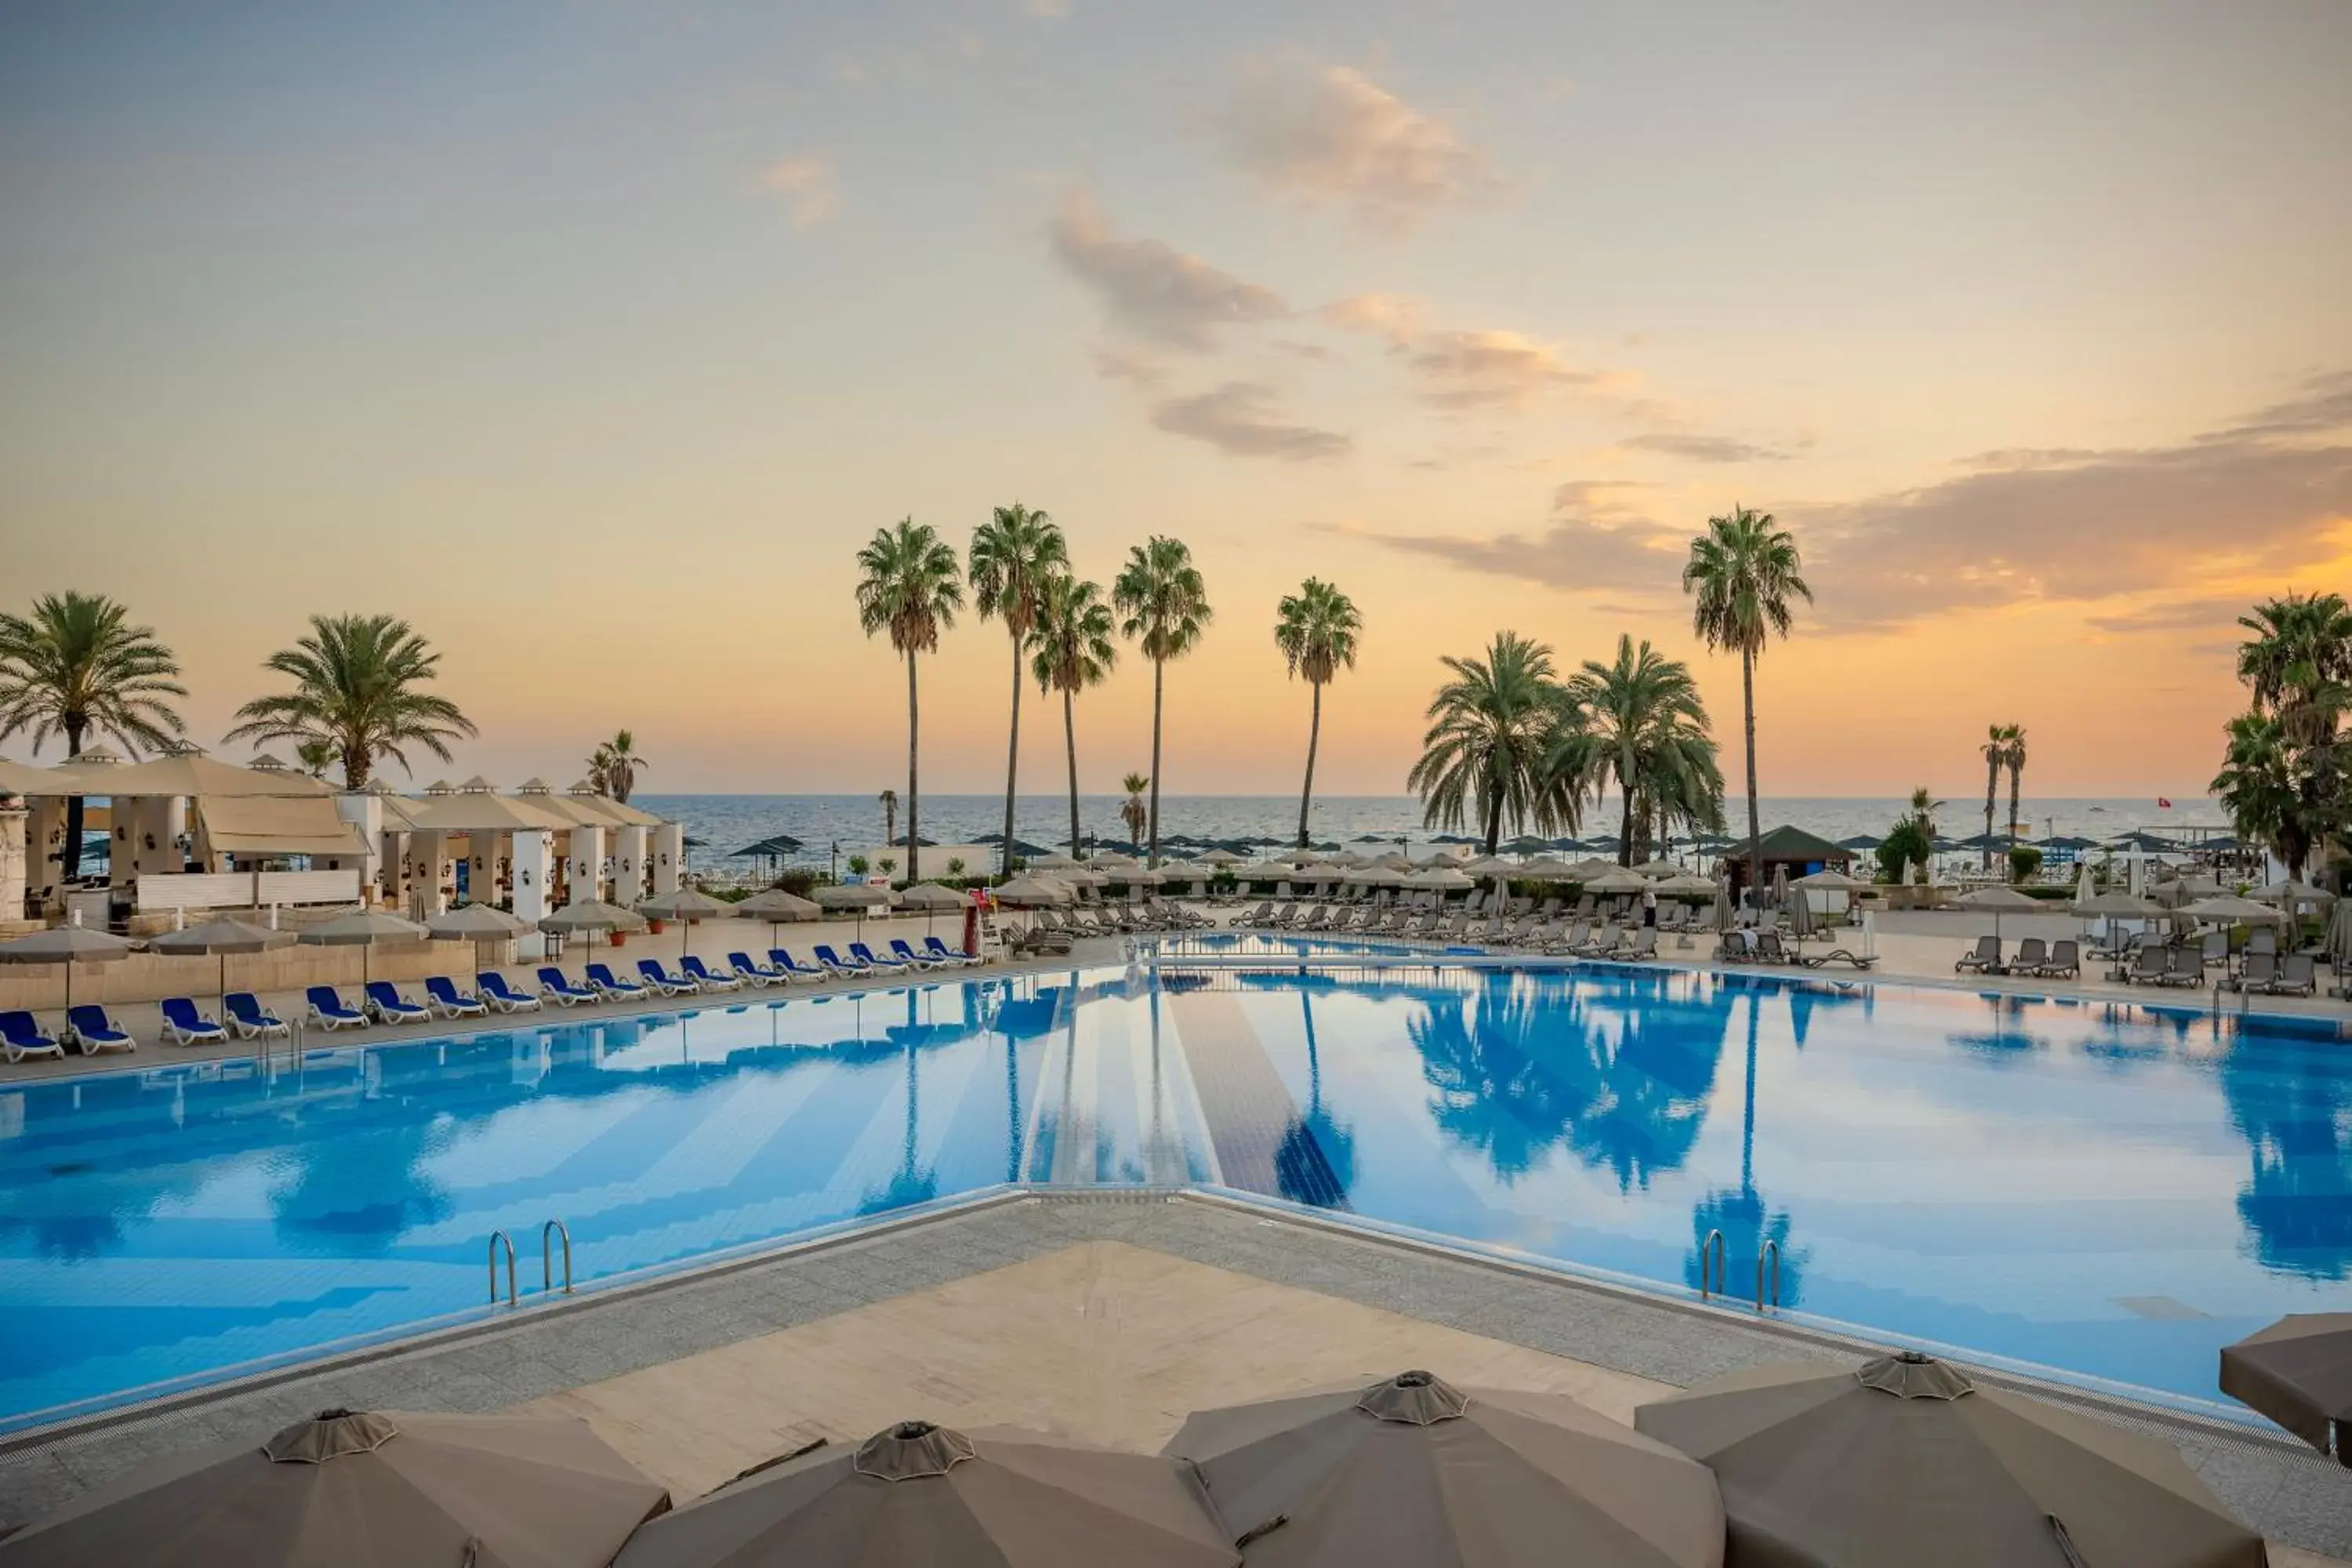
2106 1190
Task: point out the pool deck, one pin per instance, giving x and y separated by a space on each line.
1103 1316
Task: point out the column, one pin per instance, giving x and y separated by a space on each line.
587 864
629 846
45 836
534 868
428 858
14 819
668 857
364 811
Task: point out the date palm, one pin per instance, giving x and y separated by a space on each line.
1640 722
1166 607
1996 756
1132 811
2015 762
1494 731
2258 787
2298 663
615 766
1014 554
888 801
357 682
1315 628
1071 649
75 667
316 757
910 587
1745 571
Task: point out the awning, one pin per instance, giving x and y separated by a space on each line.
265 825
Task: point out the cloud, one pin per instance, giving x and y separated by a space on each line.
1242 418
1152 289
1138 370
1328 134
1297 350
2268 496
805 180
1471 370
1046 10
1393 317
1699 448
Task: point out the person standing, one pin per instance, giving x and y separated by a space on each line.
1649 905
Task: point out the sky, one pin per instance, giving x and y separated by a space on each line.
593 338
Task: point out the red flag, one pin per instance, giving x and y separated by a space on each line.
2162 803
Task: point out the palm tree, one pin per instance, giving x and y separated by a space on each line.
355 686
316 757
1640 720
613 767
1494 730
1015 555
1745 571
1160 592
2259 788
1073 650
2298 663
888 801
2285 776
909 587
1132 811
77 667
2015 762
1996 756
1315 628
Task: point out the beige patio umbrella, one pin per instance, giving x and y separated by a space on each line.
1415 1472
931 898
480 924
1685 884
2298 1372
1616 879
1832 880
68 945
1034 892
1999 900
2228 909
1658 865
775 906
1904 1460
591 915
686 905
1545 868
220 938
365 929
1440 879
1221 856
346 1487
919 1496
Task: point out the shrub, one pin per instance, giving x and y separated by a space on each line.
2024 861
889 863
859 865
955 866
800 881
1907 844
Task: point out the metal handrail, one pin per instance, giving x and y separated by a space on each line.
1721 1277
547 1258
497 1236
1772 1248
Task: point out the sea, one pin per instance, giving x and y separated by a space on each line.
725 824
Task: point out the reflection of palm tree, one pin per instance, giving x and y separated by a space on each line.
909 1183
1742 1216
1315 1162
2296 1115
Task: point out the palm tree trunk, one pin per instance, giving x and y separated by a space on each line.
69 853
1992 787
355 766
1013 761
1624 820
1314 739
1754 827
914 870
2016 769
1158 670
1070 744
1493 820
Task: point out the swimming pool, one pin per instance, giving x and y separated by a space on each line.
2102 1189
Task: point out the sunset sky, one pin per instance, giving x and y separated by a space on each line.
593 338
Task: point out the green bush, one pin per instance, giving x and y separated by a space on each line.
2024 861
1907 844
799 881
859 865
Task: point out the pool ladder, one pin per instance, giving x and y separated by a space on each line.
548 1234
1714 1271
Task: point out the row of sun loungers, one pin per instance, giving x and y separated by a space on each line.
2261 968
1748 945
2059 959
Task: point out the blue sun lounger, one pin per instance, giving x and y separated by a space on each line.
330 1012
702 975
21 1037
384 1000
908 955
442 995
250 1018
96 1031
663 981
556 986
495 991
603 980
836 964
757 974
183 1025
793 968
955 957
873 960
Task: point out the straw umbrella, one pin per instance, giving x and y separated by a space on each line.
920 1494
2298 1372
220 938
380 1487
1412 1471
1616 879
68 945
1221 856
1904 1460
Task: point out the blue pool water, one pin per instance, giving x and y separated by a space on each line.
2104 1190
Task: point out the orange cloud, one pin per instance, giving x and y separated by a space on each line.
807 180
1330 134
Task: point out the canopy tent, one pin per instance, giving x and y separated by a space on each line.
264 827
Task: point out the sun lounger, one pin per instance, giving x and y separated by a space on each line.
330 1012
2149 962
2263 940
604 982
96 1030
1983 959
557 986
1840 955
873 960
494 990
836 964
907 957
250 1018
793 967
760 974
1602 940
953 957
2256 972
2185 967
658 979
1645 945
2297 977
183 1025
441 994
384 1000
707 978
2032 953
21 1037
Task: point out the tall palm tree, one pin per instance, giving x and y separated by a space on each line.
2259 788
1073 650
1641 721
1166 607
1493 728
615 765
909 587
77 667
356 680
1315 628
2015 762
1745 569
1014 554
1132 811
1996 756
888 801
2298 663
316 757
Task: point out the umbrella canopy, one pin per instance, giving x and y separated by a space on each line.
1658 866
686 904
473 922
1802 921
854 896
591 914
2293 895
1223 857
932 896
2117 905
1395 860
2230 909
920 1494
1686 884
2000 901
776 906
1492 865
1616 879
1415 1472
2339 938
1904 1460
413 1488
363 927
220 936
1861 841
1591 866
1441 879
2297 1372
1030 893
1051 863
1545 868
67 945
1111 859
1830 880
1377 877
